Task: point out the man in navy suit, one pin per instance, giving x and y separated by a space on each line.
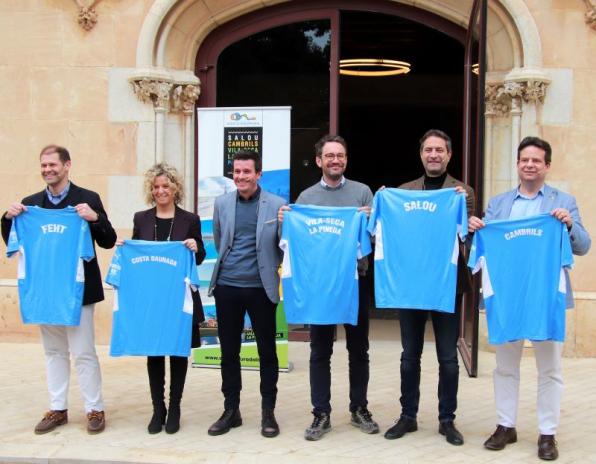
61 341
532 196
246 279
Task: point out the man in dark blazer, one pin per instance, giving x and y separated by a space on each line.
59 341
246 279
435 153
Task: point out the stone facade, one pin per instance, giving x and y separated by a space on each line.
113 81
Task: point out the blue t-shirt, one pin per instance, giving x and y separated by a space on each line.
152 302
523 281
416 247
53 244
319 277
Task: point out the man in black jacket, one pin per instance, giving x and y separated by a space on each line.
59 341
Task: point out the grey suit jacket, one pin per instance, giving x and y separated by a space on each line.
499 207
269 255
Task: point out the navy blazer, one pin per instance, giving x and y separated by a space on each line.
499 207
102 233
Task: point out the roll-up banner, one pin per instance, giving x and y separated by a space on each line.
221 133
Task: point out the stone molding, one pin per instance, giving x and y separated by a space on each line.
167 93
184 97
87 17
590 14
153 91
504 98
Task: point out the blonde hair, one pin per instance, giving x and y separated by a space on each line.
170 173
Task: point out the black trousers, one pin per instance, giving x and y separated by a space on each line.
232 303
446 330
321 349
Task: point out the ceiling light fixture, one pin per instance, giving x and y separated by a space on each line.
373 67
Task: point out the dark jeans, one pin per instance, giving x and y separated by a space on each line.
231 304
321 349
446 329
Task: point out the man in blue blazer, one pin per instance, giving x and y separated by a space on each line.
532 196
246 279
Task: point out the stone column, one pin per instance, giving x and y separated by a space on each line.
156 91
184 97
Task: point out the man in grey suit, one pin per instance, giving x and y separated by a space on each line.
532 196
246 279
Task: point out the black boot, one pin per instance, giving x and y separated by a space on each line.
156 371
178 368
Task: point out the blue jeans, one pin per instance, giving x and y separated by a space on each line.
321 349
446 329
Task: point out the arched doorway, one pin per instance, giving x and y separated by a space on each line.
289 55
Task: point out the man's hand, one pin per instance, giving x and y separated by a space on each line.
366 210
563 215
460 189
191 244
280 213
14 210
86 212
475 223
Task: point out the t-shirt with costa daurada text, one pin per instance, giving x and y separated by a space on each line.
319 277
152 303
416 247
52 244
523 280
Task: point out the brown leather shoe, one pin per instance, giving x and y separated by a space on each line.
50 421
96 422
547 448
501 437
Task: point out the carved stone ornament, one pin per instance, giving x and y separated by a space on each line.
503 98
87 16
534 91
590 14
184 97
153 91
495 100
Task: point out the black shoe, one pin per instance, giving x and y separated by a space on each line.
321 424
452 435
547 448
402 426
501 437
269 427
158 419
230 418
362 418
173 420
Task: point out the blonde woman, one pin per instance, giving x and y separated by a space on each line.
166 221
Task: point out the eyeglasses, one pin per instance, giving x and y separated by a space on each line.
331 156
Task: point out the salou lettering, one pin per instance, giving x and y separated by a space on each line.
53 228
523 232
429 206
154 259
327 225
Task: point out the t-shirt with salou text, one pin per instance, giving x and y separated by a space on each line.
152 302
52 244
319 270
416 247
523 280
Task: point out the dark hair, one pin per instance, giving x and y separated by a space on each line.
329 138
249 155
436 133
538 143
62 152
